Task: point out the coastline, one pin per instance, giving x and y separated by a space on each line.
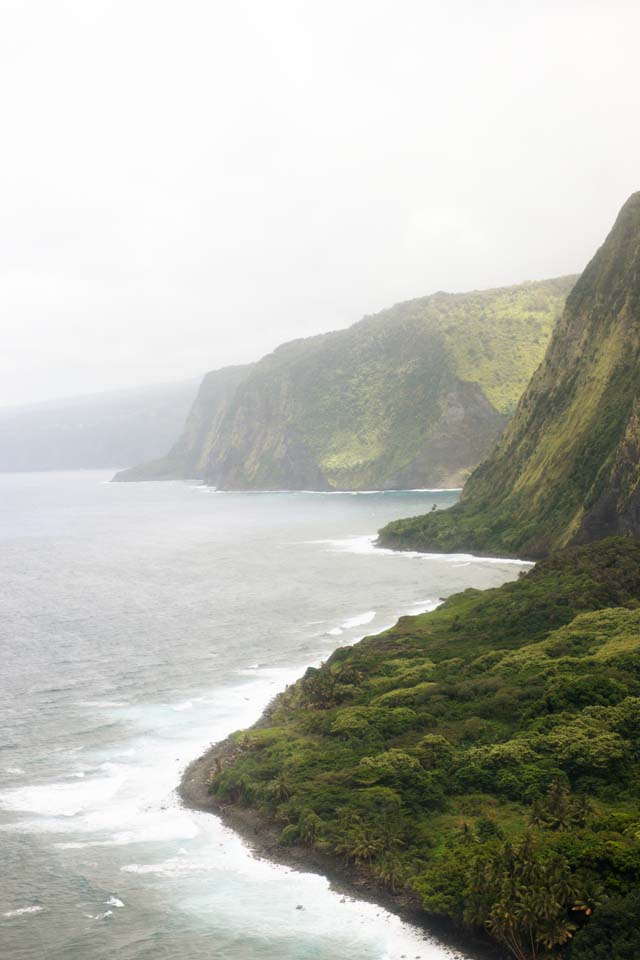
261 836
356 882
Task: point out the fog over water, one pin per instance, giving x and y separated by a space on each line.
140 623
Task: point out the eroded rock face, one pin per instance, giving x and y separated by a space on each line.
567 468
617 508
187 457
411 397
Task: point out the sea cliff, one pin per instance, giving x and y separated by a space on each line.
414 396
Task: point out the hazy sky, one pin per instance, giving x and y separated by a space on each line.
186 184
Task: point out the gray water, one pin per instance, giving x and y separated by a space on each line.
140 622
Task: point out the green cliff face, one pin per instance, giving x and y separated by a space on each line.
411 397
568 466
482 757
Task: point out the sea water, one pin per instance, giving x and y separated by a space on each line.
139 623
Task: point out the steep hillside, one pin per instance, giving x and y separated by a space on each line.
187 458
568 466
411 397
101 430
480 761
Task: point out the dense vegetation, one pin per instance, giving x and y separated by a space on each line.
413 396
567 469
483 756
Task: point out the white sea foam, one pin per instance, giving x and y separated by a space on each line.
83 844
106 704
179 707
422 606
22 911
367 545
359 544
180 866
459 558
60 799
335 632
359 621
124 804
414 610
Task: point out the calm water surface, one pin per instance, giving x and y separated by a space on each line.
140 622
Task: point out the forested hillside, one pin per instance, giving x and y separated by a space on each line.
482 758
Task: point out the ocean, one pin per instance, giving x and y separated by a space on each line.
138 624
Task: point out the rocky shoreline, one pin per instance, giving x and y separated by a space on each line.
353 881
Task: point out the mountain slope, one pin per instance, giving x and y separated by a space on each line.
97 431
411 397
568 467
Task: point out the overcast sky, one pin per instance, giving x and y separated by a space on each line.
186 184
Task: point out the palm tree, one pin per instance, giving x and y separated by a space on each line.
310 825
360 844
524 896
558 810
280 788
390 834
391 872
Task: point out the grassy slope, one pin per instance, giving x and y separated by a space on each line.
566 469
498 337
420 752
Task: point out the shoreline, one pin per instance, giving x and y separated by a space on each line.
354 882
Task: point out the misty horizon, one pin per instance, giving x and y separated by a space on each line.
263 174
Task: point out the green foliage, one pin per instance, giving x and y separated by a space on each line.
614 932
359 722
567 469
505 796
558 810
523 894
495 335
